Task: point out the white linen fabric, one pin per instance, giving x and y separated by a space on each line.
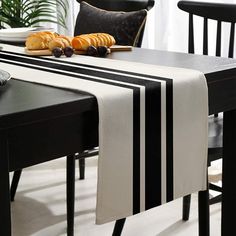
152 125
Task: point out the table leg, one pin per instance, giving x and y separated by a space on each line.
229 175
203 213
70 196
5 213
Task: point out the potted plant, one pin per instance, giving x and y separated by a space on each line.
26 13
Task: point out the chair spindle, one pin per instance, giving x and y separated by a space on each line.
231 40
205 37
191 35
218 39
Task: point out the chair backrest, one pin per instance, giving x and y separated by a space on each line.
215 11
123 5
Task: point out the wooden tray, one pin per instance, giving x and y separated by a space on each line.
46 52
119 48
38 52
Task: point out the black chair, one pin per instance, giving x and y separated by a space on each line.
109 5
112 5
221 13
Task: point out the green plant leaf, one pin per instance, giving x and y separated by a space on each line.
20 13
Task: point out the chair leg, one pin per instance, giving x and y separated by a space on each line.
70 193
215 200
203 213
118 227
81 168
14 183
186 207
215 187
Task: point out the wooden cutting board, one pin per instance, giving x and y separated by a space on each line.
46 52
119 48
38 52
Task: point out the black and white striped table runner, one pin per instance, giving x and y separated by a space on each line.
152 126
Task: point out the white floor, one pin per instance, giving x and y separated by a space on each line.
40 209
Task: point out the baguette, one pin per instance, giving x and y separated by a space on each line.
50 40
61 41
82 42
39 40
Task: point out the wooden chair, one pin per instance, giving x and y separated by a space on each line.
221 13
113 5
110 5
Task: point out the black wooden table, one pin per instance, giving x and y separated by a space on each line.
40 123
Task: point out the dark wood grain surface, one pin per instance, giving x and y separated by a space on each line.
220 72
21 102
205 64
34 115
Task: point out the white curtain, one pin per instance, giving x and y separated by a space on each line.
163 29
167 27
71 18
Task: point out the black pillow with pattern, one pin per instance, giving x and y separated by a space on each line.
125 27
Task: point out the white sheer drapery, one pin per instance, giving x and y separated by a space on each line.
70 19
166 27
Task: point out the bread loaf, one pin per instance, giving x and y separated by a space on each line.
50 40
39 40
61 41
82 42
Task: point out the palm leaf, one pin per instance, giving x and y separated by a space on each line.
24 13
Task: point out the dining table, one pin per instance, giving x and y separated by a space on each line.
39 123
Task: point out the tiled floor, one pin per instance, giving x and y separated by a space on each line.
40 209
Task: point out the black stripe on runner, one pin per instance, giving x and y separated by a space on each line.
83 71
136 127
169 109
136 153
169 142
169 121
153 147
169 125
